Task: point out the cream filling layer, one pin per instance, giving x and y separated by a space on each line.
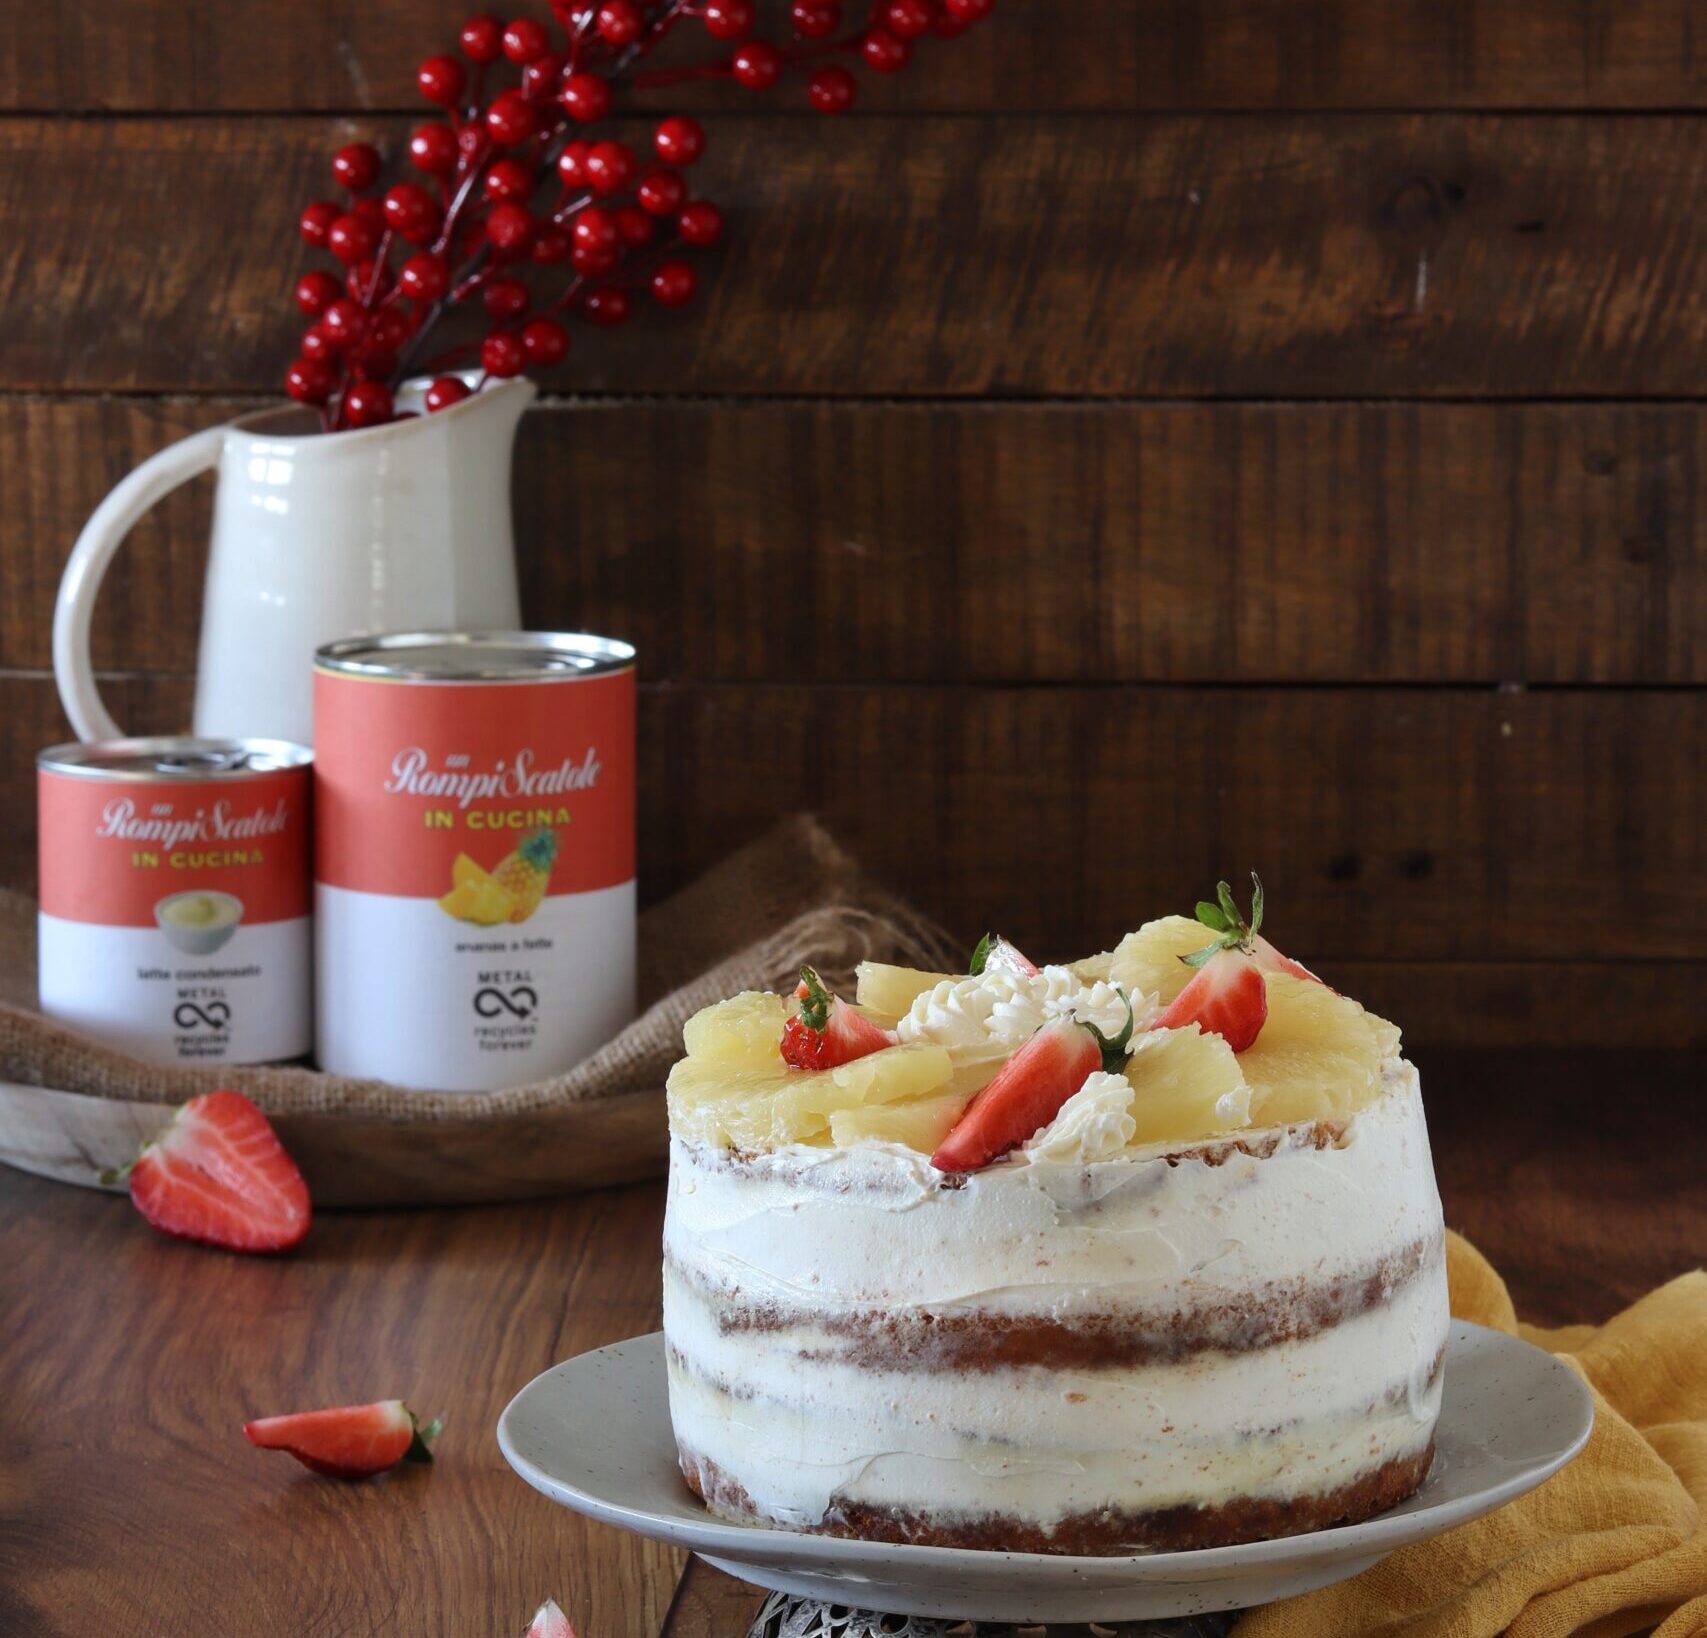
1296 1420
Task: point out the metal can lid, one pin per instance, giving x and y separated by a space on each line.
174 756
476 656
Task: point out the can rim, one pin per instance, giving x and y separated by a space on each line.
186 757
534 656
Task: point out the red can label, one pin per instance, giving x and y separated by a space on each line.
474 864
175 913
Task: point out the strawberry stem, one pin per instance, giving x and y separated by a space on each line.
1223 918
1113 1051
815 1002
421 1446
981 954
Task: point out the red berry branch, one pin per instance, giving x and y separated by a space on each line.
522 206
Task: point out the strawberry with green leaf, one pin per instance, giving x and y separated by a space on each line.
825 1031
1227 997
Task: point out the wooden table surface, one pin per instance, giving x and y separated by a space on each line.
129 1501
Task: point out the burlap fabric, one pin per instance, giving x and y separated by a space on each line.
793 896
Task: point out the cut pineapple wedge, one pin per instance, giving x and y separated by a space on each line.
732 1105
1147 962
887 992
1186 1085
1093 969
1318 1056
746 1029
921 1124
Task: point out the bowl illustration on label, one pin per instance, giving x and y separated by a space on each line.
200 921
511 892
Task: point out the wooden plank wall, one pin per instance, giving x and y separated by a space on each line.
1152 439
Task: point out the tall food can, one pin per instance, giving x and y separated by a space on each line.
175 896
474 855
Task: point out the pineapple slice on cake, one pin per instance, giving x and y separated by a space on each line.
1151 960
1318 1057
1187 1085
889 992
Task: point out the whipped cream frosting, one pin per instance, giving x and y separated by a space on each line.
809 1239
1001 1008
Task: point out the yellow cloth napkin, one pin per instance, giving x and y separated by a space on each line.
1615 1543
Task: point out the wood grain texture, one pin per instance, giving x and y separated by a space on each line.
1364 255
1035 56
1238 542
130 1501
1388 824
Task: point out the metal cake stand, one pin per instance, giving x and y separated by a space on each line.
785 1616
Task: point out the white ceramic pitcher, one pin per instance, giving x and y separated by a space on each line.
316 536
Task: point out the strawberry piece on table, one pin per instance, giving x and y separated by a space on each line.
1029 1090
349 1441
826 1031
550 1622
219 1174
1228 997
995 951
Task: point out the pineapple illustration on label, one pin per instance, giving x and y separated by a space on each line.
475 896
526 873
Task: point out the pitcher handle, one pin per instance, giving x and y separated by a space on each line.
113 519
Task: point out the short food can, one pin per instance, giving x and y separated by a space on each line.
175 896
474 855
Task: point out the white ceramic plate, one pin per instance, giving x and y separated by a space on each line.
594 1434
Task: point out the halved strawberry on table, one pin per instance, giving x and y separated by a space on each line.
1029 1090
550 1622
219 1174
825 1031
348 1441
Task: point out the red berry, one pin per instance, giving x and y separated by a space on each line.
502 353
505 298
411 212
728 19
444 392
356 166
317 342
679 140
908 19
509 179
433 149
883 53
545 341
370 211
756 65
351 238
635 226
309 380
345 321
525 39
482 39
662 193
315 292
440 80
572 163
609 167
700 223
831 90
585 98
605 305
672 283
388 329
591 262
539 78
945 27
620 22
316 221
966 11
510 120
815 19
509 227
424 277
595 229
367 403
551 245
